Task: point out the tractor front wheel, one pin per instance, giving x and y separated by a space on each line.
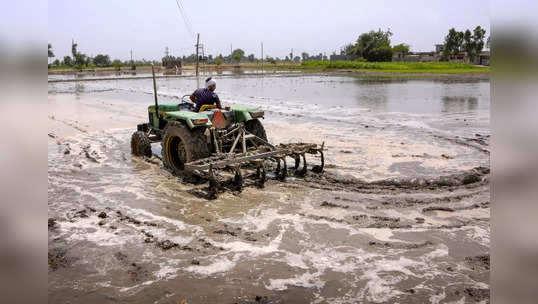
140 144
181 145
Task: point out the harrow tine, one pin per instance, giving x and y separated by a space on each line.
213 184
238 179
284 172
260 175
297 161
302 172
319 168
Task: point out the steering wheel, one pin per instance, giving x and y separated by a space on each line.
186 101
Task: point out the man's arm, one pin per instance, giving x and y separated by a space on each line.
217 101
193 99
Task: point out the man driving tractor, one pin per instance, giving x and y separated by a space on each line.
206 96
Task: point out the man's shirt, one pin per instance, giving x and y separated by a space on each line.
205 96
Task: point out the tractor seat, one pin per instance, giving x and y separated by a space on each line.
205 107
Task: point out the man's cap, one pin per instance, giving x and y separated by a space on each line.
209 82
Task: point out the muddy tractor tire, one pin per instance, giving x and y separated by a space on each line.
255 127
181 145
140 144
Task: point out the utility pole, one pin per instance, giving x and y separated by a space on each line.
197 57
262 57
231 53
131 56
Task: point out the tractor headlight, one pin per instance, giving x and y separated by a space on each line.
200 121
256 114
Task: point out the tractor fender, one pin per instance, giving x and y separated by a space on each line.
189 118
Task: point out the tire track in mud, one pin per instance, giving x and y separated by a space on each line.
469 179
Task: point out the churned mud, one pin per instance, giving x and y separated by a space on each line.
400 215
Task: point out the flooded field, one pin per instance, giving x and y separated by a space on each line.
400 215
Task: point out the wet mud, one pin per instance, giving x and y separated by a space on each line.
386 221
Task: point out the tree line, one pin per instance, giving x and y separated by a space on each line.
79 60
372 46
375 46
466 41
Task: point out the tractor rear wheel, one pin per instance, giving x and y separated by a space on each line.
181 145
254 126
140 144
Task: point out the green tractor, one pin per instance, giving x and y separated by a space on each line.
185 135
212 140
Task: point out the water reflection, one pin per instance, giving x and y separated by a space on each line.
173 72
372 94
459 104
79 88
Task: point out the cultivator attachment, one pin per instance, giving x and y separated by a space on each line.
257 158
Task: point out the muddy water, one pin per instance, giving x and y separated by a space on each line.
400 215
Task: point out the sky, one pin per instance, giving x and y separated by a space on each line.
115 27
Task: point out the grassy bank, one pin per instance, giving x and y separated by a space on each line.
394 67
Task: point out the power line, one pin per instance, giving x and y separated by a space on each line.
185 18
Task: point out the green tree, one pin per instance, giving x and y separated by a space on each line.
305 56
101 60
374 45
80 59
56 62
349 51
453 42
468 45
251 58
402 48
470 42
74 49
51 53
238 54
219 59
67 61
478 41
380 54
117 64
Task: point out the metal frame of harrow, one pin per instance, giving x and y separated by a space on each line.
262 151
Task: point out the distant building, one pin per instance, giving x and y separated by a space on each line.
335 57
416 57
459 57
483 58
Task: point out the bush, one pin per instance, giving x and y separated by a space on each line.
379 54
117 65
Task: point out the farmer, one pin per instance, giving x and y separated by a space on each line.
206 96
